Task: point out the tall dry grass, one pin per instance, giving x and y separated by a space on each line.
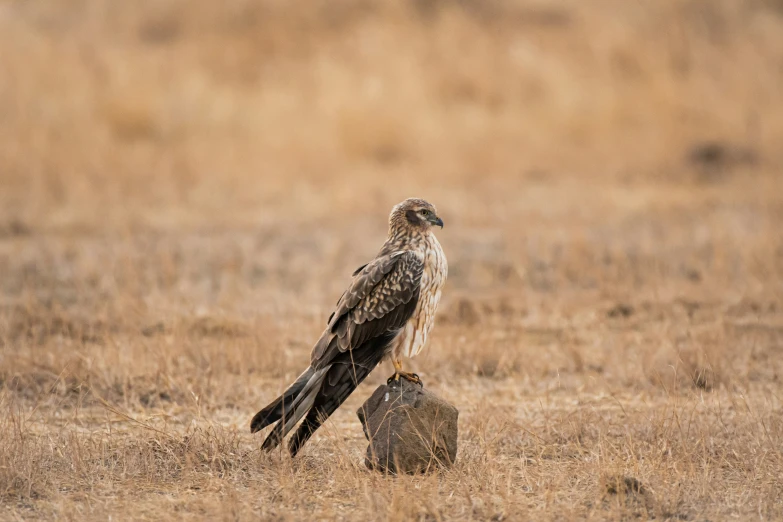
185 187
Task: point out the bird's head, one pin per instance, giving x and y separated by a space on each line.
416 214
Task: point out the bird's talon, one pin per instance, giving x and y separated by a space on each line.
410 377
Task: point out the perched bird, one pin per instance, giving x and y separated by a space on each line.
387 311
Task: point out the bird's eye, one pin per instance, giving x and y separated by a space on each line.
424 212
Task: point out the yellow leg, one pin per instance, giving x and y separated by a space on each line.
412 377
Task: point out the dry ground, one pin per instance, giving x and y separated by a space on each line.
185 187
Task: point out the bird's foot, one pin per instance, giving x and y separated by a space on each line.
408 376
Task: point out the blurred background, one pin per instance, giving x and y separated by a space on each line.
121 114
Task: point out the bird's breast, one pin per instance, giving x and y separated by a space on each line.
414 336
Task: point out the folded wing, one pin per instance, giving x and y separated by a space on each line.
381 298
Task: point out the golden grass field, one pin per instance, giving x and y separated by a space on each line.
186 187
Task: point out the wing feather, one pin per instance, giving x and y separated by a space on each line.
378 301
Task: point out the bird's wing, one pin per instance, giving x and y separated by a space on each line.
381 298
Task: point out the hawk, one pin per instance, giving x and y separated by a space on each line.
387 311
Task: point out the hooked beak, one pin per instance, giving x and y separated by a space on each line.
435 220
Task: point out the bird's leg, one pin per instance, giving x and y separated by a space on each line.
408 376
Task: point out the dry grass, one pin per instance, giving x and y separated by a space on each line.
185 187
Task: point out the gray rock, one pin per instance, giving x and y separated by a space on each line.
410 429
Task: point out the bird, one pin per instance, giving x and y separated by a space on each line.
387 312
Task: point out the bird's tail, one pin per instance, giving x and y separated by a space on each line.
318 393
345 374
289 408
347 380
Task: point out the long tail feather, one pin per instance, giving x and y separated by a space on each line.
317 393
343 378
281 406
318 415
288 422
301 396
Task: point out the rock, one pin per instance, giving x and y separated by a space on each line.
410 429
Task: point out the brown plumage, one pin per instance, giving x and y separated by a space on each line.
387 311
